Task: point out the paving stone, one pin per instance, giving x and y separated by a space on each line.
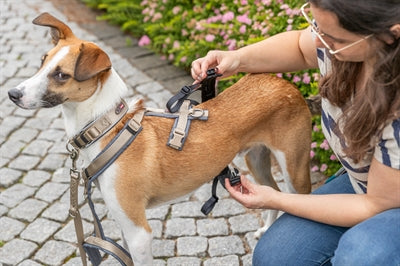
24 134
40 230
227 207
212 227
247 260
148 88
52 135
24 162
180 227
61 175
29 263
10 228
231 260
86 213
51 191
36 178
184 261
16 250
158 213
156 227
192 246
244 223
28 210
3 210
11 148
53 161
251 240
163 248
54 252
37 148
111 229
9 176
222 246
58 211
187 209
12 122
15 194
67 233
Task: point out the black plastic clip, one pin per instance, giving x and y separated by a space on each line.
234 179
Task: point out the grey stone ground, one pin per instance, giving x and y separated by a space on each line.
35 228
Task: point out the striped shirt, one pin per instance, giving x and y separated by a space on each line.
386 151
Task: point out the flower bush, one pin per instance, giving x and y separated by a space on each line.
182 31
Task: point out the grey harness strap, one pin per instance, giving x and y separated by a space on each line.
99 127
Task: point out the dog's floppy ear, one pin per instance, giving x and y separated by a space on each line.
58 29
91 61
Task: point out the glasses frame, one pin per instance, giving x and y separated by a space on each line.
320 35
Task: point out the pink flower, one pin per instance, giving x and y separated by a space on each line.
227 17
243 2
296 79
183 59
242 29
176 10
313 145
333 157
323 168
210 37
244 19
314 168
324 145
306 78
176 45
315 129
312 154
144 40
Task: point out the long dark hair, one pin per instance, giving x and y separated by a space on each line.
378 102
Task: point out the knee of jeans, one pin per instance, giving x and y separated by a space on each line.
357 247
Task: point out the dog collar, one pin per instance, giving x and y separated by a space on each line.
100 126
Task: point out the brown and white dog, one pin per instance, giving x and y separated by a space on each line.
260 113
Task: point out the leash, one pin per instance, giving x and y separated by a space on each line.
92 244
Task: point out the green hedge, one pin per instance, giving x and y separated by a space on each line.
182 31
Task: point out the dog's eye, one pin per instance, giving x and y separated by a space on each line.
61 76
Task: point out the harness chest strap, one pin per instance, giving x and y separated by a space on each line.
115 148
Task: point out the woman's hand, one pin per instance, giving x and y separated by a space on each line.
226 62
251 195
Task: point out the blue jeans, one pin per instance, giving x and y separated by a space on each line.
296 241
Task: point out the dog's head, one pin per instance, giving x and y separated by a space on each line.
71 71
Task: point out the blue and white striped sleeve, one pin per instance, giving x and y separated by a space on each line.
387 151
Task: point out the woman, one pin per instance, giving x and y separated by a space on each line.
354 219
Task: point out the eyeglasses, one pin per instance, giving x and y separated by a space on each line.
321 35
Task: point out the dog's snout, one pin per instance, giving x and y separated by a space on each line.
15 95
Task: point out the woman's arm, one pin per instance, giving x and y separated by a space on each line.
335 209
284 52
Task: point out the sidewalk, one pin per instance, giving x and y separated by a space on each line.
35 228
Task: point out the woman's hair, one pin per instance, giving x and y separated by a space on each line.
378 102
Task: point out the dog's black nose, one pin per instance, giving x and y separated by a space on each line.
15 95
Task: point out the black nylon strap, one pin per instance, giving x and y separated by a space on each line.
234 179
208 91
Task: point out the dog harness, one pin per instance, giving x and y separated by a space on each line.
182 110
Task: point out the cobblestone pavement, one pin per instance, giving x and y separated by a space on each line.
35 228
